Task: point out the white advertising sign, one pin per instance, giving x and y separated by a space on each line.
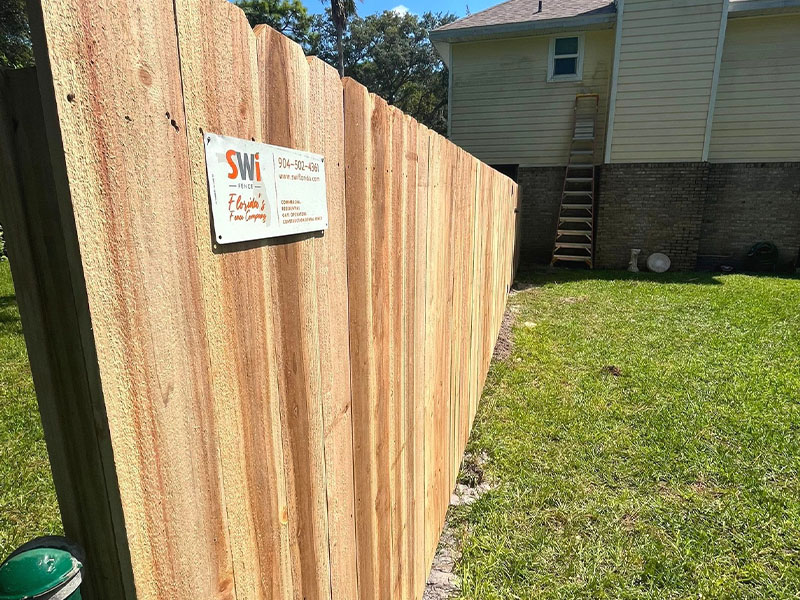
260 191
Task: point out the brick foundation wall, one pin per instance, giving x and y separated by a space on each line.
701 215
540 188
657 207
748 203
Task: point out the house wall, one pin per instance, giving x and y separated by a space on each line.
540 195
666 66
748 203
702 215
657 207
757 112
503 110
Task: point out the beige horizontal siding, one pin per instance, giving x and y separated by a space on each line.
666 66
504 111
757 112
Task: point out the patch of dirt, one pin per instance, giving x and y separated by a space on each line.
520 286
505 339
612 370
443 583
701 487
665 491
464 495
629 522
472 469
472 482
669 493
573 299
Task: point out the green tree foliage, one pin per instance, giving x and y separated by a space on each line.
15 35
290 17
392 56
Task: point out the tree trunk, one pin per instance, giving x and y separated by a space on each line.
339 49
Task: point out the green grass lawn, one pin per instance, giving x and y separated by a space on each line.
28 506
675 478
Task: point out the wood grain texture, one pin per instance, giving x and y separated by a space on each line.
269 420
358 175
395 281
297 314
221 95
113 77
419 558
49 307
327 138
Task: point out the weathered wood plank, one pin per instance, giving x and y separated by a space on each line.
90 506
295 268
359 211
221 95
395 280
111 78
327 137
418 547
381 186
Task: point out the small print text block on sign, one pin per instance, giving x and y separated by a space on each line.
261 191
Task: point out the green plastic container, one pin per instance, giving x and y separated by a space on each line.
41 574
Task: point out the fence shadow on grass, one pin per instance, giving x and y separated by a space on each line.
535 277
9 318
538 276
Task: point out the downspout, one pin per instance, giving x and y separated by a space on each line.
449 89
612 100
712 100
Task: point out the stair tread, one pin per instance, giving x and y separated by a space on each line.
584 232
571 206
577 192
575 219
573 245
579 151
575 258
580 179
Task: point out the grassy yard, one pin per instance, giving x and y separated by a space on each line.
644 441
28 506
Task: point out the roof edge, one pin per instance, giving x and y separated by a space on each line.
463 34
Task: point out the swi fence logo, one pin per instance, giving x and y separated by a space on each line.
259 191
245 167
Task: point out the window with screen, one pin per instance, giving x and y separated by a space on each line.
566 58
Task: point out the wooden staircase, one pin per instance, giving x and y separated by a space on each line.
574 240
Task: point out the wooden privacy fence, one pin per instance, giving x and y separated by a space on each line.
279 419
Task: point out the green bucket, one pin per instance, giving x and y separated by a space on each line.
40 573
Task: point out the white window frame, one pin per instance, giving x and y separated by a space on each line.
578 76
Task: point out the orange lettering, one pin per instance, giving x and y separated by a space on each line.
234 171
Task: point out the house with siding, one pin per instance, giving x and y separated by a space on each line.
695 147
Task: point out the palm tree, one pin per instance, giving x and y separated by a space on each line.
341 11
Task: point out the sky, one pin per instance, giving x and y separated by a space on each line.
367 7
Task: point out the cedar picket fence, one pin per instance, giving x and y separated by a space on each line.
281 419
